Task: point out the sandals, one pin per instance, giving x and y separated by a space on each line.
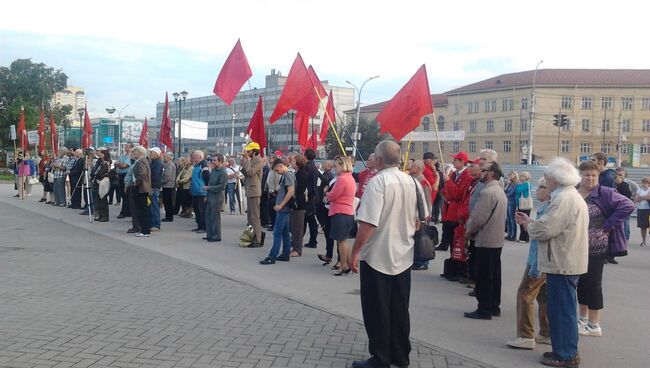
336 266
342 272
295 254
324 259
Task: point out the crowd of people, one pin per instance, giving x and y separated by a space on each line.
581 224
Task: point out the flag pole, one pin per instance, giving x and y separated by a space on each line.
435 127
408 148
320 103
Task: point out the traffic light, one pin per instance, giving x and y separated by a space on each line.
560 120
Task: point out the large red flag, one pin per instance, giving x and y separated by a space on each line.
297 87
41 133
403 112
310 103
301 124
312 142
328 118
234 73
87 131
22 132
144 135
256 127
166 127
53 139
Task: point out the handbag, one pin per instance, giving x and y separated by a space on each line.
104 187
50 177
32 180
526 203
458 248
423 246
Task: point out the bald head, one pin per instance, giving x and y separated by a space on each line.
387 154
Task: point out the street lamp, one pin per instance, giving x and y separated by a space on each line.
111 110
179 99
232 136
80 111
356 125
532 117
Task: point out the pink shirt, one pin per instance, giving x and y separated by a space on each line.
23 170
341 197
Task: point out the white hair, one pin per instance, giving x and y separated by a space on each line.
563 171
419 164
141 150
169 154
199 153
490 154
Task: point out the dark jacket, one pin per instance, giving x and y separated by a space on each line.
218 181
616 209
607 178
302 182
156 173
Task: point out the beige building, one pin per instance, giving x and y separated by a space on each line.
73 96
608 110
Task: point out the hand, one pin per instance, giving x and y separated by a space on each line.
522 218
353 262
205 187
277 208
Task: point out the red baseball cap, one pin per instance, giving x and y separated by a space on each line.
461 156
476 161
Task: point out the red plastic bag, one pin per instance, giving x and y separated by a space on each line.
458 250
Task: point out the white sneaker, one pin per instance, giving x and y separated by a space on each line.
590 330
522 343
141 235
543 339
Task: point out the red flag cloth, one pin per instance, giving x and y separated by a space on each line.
41 134
166 127
310 103
87 131
256 127
329 117
144 135
234 73
297 87
301 124
22 132
403 112
54 142
313 140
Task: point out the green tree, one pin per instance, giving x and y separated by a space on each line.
30 85
370 136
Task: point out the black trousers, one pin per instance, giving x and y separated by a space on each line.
447 237
385 307
324 220
168 202
131 199
142 212
488 280
523 234
75 198
119 188
272 213
437 207
126 203
313 228
198 203
264 209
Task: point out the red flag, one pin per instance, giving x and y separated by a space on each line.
166 127
313 140
297 87
403 112
301 125
234 73
310 103
54 142
329 117
41 133
22 132
144 135
87 131
256 127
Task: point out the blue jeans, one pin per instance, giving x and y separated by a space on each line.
562 316
230 189
511 224
281 234
154 209
626 228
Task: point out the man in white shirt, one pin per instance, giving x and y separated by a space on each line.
386 255
234 172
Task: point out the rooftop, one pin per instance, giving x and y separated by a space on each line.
436 99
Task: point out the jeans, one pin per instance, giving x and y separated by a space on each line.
198 202
511 224
154 209
230 189
562 316
281 234
213 215
59 191
626 228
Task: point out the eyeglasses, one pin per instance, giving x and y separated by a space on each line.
542 187
485 170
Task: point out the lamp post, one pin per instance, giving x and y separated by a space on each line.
291 127
356 125
111 110
232 135
532 117
80 111
179 99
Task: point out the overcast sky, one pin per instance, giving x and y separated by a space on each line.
131 52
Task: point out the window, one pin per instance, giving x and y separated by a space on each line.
456 127
412 147
625 149
626 103
507 146
606 103
472 107
586 103
455 146
567 102
507 104
488 145
645 126
605 126
490 126
645 149
604 147
567 127
507 127
523 125
645 103
523 144
425 147
472 126
585 125
472 146
625 126
564 146
425 124
441 125
585 147
456 109
524 103
490 105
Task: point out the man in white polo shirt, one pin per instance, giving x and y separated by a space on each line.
386 255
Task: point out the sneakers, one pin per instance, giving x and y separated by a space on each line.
522 343
141 235
267 261
587 329
546 340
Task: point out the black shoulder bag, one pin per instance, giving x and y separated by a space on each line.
423 248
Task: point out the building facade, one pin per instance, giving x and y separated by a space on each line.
73 96
226 123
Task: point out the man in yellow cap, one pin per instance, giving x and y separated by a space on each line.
252 165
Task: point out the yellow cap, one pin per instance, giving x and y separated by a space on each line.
252 146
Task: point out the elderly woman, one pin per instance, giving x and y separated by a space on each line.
531 288
102 167
562 256
183 196
417 172
522 193
608 210
511 225
341 212
642 200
